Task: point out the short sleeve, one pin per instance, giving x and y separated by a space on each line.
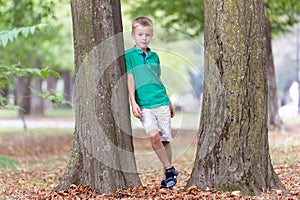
159 69
128 64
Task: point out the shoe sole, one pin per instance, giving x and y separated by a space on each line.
165 187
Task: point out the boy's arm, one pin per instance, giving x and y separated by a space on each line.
172 109
131 90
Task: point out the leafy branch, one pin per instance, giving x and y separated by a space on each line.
56 100
11 35
7 72
16 71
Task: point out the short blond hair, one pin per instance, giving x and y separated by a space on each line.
143 21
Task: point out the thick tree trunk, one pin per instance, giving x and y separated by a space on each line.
102 153
37 103
23 95
274 120
233 150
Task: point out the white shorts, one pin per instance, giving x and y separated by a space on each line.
158 119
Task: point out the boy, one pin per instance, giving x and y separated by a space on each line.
149 100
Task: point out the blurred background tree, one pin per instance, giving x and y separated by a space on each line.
281 16
51 48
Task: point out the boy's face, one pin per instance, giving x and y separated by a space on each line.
142 36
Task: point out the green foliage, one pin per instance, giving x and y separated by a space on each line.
51 47
11 35
7 163
56 100
19 13
40 50
183 16
282 13
28 55
16 71
188 16
44 73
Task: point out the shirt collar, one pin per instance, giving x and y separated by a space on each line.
139 51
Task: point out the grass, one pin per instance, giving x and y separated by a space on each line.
11 130
8 114
36 131
13 114
59 113
8 163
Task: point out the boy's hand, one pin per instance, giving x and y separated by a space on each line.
136 110
172 111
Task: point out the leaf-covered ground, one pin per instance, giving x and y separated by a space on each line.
33 163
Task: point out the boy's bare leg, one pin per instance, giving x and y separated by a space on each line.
159 149
168 149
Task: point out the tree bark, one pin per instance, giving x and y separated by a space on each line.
233 150
274 120
102 152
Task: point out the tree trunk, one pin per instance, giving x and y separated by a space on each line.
68 82
37 103
102 152
233 150
274 120
298 63
51 87
23 95
4 92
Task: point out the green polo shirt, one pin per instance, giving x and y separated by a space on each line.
150 92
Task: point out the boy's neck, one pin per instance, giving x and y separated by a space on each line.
145 50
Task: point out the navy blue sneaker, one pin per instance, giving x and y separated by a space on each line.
171 177
163 185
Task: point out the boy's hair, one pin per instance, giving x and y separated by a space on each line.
143 21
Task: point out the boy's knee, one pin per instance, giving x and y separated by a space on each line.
154 137
165 143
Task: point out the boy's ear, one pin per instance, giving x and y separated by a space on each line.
132 34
